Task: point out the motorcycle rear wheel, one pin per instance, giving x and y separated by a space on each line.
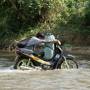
21 62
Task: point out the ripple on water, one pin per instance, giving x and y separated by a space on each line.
33 79
75 79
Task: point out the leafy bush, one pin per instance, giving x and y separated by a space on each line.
23 18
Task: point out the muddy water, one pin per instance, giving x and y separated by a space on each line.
76 79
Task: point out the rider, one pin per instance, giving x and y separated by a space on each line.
32 43
47 41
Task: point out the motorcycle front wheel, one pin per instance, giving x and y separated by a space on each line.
68 64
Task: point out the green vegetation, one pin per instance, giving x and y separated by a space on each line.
70 19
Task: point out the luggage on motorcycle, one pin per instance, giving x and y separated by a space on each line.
49 47
23 43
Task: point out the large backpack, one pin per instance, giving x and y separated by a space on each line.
49 47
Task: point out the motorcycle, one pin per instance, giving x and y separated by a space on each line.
60 60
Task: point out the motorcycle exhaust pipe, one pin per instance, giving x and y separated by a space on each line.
28 68
25 68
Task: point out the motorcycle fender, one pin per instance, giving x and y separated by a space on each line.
69 56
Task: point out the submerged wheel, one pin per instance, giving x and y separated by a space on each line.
21 62
68 64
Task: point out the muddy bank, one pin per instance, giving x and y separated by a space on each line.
78 50
7 54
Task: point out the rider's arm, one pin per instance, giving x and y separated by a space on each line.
54 41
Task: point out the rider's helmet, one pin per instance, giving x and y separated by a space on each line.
40 35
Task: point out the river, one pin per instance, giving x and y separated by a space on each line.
65 79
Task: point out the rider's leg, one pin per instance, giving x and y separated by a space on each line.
26 51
